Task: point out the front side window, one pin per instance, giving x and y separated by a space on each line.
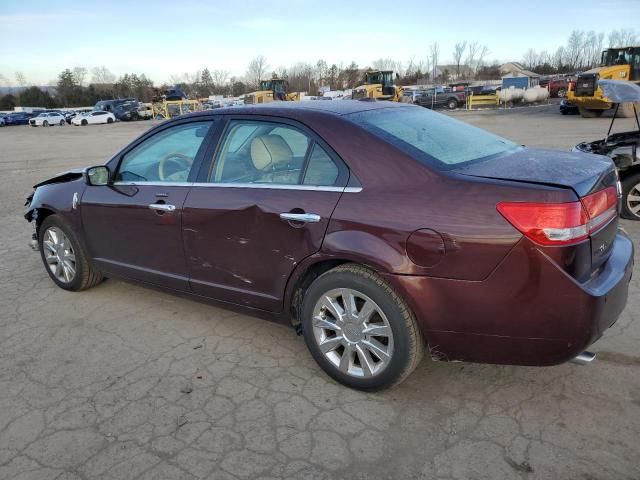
432 138
261 152
167 156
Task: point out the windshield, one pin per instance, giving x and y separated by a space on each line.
432 138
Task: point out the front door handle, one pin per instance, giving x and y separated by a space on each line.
300 217
163 207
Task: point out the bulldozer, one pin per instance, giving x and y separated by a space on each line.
378 84
270 91
616 64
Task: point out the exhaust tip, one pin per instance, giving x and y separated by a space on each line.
584 358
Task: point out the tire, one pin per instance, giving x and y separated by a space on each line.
84 123
452 104
45 124
67 254
626 110
109 120
631 197
62 123
400 341
590 112
561 93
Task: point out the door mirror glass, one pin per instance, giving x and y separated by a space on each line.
97 176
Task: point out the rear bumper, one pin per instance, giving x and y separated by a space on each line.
527 312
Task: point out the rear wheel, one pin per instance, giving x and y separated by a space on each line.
631 197
562 93
109 120
63 257
62 123
45 124
359 330
590 112
452 104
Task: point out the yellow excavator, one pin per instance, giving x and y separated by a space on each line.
616 64
270 91
378 84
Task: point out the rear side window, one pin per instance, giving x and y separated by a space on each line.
432 138
321 170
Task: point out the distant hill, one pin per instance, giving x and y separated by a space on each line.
17 90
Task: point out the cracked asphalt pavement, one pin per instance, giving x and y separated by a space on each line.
125 382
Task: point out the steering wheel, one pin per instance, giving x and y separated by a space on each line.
182 161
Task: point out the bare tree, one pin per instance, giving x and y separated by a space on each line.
257 70
21 80
220 77
102 75
482 54
575 46
622 38
79 75
530 59
434 50
472 52
458 52
384 64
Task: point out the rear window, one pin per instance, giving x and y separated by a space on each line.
432 138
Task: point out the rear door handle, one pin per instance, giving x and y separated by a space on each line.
163 207
300 217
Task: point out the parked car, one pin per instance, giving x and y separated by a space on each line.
558 87
622 147
568 108
95 117
374 228
445 98
18 118
47 119
2 122
483 89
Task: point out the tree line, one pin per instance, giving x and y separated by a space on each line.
467 61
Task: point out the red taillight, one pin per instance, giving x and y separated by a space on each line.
562 223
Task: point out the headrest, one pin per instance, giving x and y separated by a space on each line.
269 149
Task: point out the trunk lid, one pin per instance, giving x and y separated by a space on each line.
583 173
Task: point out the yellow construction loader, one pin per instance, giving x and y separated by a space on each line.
616 64
272 90
378 84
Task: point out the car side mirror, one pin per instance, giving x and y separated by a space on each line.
97 176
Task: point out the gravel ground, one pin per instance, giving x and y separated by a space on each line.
95 385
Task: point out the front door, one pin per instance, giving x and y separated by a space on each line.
133 226
263 206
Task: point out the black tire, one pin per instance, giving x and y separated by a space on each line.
84 123
86 276
590 112
45 124
62 123
561 93
408 345
564 112
452 104
630 185
109 120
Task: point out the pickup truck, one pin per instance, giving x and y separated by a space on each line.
441 98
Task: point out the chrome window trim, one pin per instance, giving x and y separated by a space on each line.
268 186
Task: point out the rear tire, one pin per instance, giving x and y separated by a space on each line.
561 93
631 197
62 123
452 104
109 120
590 112
45 124
59 246
376 344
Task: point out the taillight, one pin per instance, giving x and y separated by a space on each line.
562 223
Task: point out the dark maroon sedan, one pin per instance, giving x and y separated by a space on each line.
375 229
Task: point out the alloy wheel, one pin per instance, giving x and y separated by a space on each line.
633 200
59 255
352 332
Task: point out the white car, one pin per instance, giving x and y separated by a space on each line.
46 119
90 118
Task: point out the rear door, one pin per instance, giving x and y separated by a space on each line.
259 207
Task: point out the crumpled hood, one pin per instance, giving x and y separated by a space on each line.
62 177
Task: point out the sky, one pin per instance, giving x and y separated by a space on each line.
160 38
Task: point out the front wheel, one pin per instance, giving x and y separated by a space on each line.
631 197
84 123
359 330
452 104
45 124
562 93
62 123
109 120
63 257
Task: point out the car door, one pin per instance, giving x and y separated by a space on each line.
259 208
96 117
133 225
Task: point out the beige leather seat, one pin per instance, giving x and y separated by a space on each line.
271 155
269 150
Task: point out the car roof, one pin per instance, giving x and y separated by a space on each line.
298 109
